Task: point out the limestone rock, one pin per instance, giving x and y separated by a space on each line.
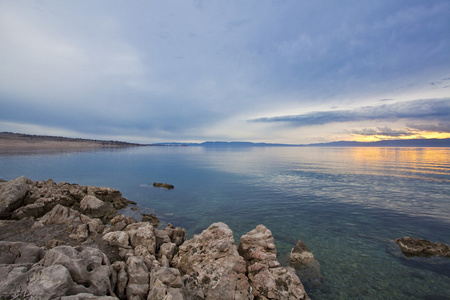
118 238
141 234
417 247
12 194
211 265
138 278
268 279
89 269
258 247
96 208
177 234
168 250
107 194
20 282
166 283
19 253
62 215
119 222
49 283
300 255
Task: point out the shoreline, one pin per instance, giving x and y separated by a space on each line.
71 242
10 142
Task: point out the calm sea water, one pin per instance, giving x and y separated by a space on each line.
346 204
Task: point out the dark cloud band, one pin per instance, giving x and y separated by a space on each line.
423 109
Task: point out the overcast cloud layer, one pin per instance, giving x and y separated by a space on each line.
263 71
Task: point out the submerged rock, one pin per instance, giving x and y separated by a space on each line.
306 266
152 219
417 247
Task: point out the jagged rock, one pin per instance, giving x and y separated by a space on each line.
177 234
20 282
141 234
12 194
89 269
119 278
300 255
62 215
168 250
51 194
49 283
96 208
165 283
20 253
211 265
107 194
119 222
162 237
417 247
267 278
118 238
163 185
151 219
138 278
258 247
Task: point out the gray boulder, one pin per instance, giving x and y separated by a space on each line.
138 278
89 269
96 208
166 283
20 253
12 194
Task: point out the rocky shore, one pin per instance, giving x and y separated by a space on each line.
66 241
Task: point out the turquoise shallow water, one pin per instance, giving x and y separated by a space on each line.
346 204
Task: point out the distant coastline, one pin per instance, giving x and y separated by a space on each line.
18 141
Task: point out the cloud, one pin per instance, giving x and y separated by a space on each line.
424 109
443 126
383 131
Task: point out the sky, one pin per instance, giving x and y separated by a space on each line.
287 71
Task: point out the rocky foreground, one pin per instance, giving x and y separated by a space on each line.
66 241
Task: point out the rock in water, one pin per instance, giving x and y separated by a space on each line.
307 267
417 247
211 265
300 255
163 185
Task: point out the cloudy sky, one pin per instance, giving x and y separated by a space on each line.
291 71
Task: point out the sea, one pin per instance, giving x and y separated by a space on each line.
347 204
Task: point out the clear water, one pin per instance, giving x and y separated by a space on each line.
346 204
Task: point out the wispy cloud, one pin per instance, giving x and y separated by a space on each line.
424 109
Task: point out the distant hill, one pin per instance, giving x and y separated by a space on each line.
28 140
9 140
386 143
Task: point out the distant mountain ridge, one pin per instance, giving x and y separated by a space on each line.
223 144
385 143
